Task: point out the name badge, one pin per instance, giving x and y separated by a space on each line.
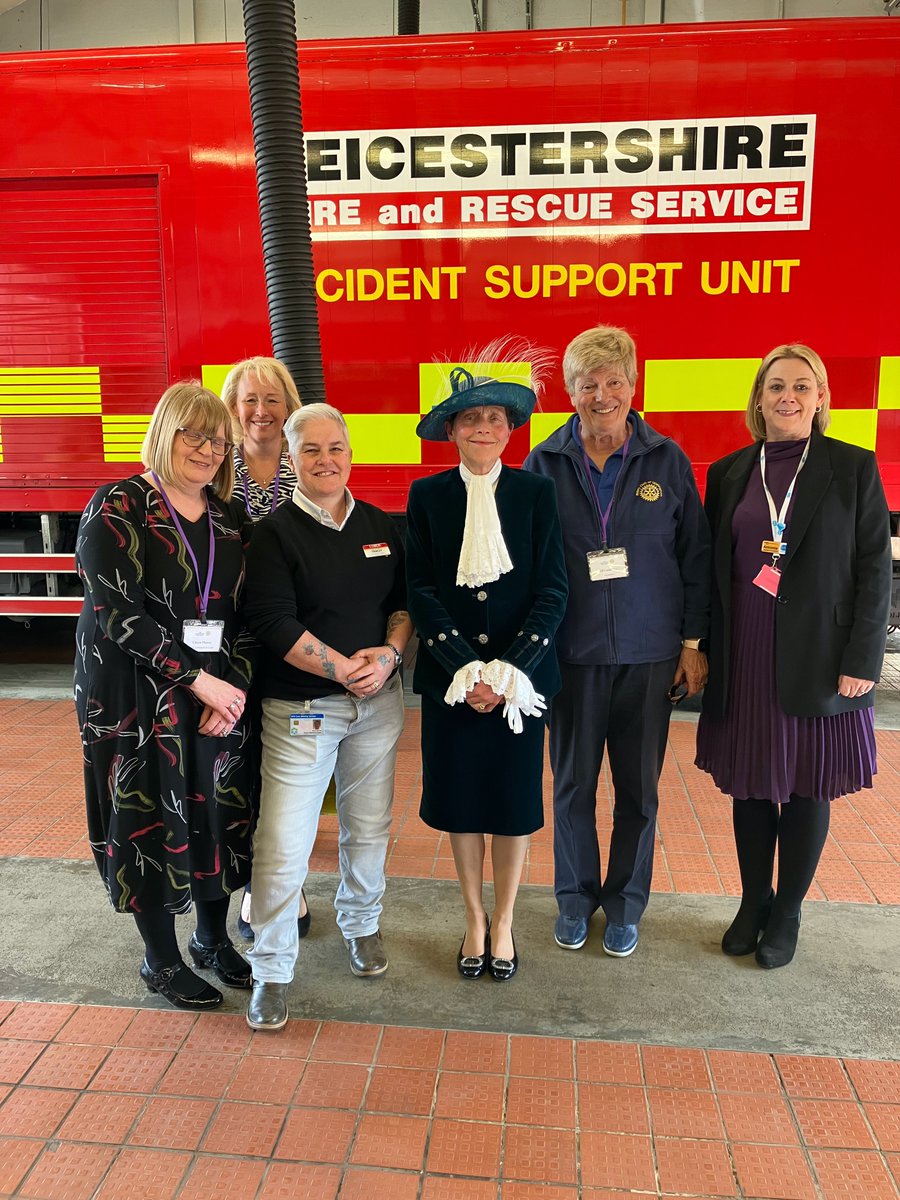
306 724
608 564
768 579
772 547
205 636
377 550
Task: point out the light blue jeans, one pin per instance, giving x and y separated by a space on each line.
358 744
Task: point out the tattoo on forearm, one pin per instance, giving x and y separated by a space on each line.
395 620
321 651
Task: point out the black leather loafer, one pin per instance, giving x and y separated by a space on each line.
181 987
504 968
779 942
268 1007
224 960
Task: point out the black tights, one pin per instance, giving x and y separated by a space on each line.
157 929
798 829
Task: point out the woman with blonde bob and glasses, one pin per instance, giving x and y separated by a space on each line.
802 576
161 676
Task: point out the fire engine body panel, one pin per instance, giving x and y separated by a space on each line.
715 190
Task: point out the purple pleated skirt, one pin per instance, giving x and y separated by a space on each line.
757 751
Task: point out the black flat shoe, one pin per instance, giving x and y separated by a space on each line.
224 960
245 929
181 987
504 968
778 943
742 934
473 966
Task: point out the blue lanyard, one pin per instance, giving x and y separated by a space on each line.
276 482
604 513
204 593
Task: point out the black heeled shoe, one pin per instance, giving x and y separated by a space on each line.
778 943
181 987
742 934
245 929
224 960
504 968
473 966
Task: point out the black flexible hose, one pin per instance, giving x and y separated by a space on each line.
271 34
407 16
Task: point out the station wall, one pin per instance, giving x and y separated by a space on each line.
73 24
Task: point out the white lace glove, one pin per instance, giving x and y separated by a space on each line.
515 686
463 682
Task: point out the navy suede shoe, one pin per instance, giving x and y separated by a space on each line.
620 940
571 932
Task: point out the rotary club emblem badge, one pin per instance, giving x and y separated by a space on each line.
649 491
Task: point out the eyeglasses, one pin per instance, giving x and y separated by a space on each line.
192 438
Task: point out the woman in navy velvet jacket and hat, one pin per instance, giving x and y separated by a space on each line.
802 558
486 590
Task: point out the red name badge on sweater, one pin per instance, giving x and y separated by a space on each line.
768 579
377 550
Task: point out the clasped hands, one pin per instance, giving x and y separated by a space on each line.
366 671
223 704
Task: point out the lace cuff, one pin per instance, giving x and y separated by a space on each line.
463 681
515 686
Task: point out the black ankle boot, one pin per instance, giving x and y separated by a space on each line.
778 943
743 933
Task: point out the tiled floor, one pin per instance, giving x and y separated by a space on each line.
113 1103
109 1103
42 815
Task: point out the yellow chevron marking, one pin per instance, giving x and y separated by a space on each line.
543 424
213 377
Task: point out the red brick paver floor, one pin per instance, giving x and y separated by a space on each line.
42 815
425 1114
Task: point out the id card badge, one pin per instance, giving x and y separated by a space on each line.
205 636
768 579
608 564
377 550
306 724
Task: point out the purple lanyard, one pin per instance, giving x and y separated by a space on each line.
204 595
604 514
276 482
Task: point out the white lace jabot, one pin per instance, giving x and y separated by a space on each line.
483 556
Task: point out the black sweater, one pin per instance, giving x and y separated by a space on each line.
304 576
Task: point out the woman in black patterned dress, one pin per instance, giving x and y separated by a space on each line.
161 675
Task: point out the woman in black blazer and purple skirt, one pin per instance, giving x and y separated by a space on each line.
801 541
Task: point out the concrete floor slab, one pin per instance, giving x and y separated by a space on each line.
841 996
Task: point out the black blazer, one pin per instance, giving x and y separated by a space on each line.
516 617
831 612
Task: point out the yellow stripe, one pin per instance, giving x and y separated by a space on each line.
48 372
123 436
856 425
384 438
698 384
889 383
543 424
49 391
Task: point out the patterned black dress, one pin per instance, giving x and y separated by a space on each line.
170 811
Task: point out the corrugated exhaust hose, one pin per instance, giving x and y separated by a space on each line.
271 35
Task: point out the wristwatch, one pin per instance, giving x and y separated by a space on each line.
398 657
694 644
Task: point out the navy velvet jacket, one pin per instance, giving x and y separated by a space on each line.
516 617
